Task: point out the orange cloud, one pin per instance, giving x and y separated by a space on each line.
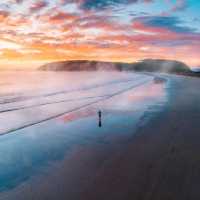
3 15
57 34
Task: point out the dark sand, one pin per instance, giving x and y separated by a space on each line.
160 162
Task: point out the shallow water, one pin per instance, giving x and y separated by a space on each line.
45 114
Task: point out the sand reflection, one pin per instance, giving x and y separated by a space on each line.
125 103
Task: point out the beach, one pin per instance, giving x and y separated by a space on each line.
155 155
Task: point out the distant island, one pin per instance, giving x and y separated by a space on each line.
148 65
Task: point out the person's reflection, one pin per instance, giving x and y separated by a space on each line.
79 114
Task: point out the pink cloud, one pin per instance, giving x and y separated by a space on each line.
38 6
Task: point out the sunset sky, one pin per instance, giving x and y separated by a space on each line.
33 32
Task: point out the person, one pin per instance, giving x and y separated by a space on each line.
100 124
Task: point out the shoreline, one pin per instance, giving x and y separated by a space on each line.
160 161
100 149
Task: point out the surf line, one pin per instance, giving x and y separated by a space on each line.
25 98
74 109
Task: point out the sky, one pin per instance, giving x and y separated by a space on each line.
33 32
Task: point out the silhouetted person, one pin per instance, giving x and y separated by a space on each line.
100 124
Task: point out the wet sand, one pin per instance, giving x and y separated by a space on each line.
163 161
160 161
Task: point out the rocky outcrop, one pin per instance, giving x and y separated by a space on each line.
158 65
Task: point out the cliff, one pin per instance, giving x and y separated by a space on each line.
158 65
